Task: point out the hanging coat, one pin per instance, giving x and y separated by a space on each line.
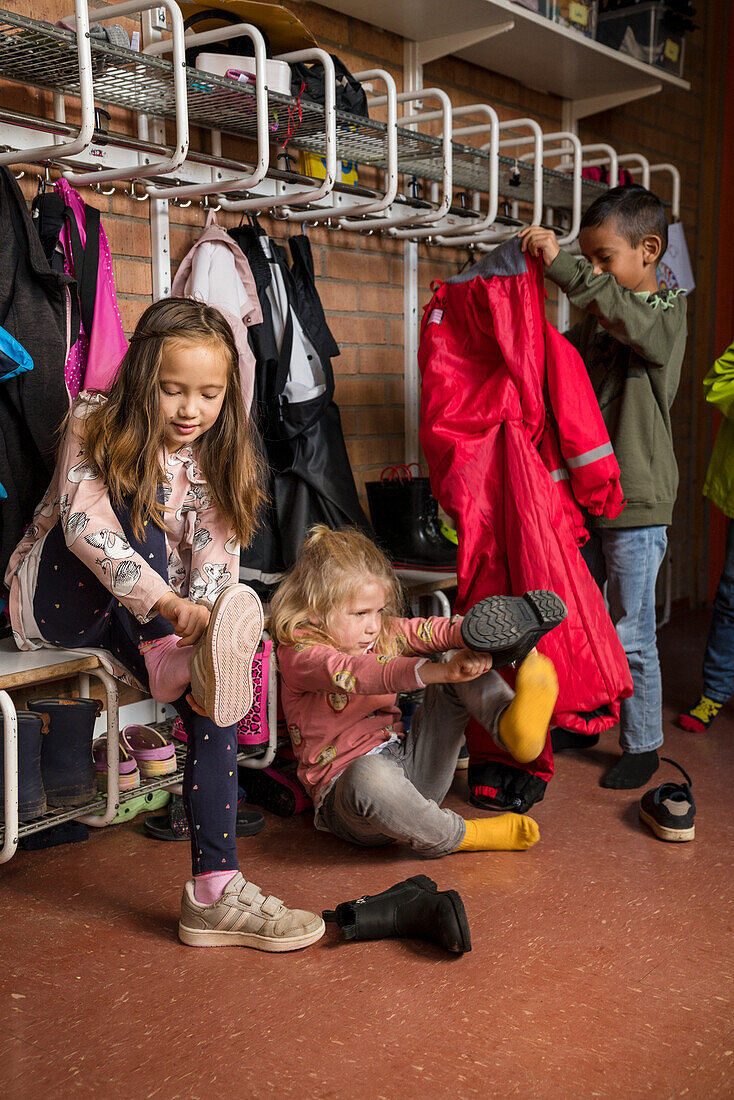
216 272
311 478
37 309
515 444
93 360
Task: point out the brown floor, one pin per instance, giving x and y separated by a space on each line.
602 962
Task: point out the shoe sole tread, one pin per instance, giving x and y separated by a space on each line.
502 624
231 644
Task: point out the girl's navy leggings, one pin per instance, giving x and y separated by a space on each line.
73 609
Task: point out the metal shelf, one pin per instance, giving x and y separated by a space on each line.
517 43
44 56
97 806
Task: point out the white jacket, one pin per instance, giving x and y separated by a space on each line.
215 271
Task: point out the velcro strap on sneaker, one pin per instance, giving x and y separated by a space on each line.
271 906
250 892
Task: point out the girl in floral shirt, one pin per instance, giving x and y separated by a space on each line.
134 551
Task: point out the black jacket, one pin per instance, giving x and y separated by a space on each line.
33 309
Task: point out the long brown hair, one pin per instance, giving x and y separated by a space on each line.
331 568
123 436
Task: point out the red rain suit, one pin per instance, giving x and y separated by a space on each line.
515 444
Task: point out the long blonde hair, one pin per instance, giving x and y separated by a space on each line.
331 568
124 435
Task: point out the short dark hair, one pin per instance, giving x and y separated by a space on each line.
636 212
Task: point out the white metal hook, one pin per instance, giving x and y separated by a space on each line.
181 205
132 195
19 175
101 190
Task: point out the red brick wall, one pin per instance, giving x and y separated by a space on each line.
361 278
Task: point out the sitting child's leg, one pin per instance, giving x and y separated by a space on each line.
523 727
518 722
373 802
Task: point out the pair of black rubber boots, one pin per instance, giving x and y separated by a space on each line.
414 908
55 766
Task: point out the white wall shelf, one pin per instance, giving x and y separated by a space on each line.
515 42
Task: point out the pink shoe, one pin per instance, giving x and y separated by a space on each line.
129 774
154 755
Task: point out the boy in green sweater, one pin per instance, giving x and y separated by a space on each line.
632 341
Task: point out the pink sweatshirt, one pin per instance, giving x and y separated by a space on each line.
339 708
203 556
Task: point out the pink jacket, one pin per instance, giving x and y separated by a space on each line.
93 360
216 272
339 708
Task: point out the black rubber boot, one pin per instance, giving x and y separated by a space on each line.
508 627
66 751
31 798
405 518
415 908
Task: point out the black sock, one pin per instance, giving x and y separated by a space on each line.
562 739
633 769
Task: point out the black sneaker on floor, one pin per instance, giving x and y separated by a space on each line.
669 809
508 627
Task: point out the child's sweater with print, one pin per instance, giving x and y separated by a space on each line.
339 707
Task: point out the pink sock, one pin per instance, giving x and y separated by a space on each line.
208 886
168 668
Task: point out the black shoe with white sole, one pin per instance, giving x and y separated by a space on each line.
669 809
508 627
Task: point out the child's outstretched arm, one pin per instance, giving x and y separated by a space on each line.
459 669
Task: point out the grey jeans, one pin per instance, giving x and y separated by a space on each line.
396 794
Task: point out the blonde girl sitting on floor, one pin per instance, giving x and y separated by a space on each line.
343 654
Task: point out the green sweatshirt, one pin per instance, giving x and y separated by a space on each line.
632 344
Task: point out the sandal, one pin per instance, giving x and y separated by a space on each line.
155 755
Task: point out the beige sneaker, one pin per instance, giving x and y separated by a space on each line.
221 664
243 917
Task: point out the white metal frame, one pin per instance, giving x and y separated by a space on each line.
177 158
254 205
10 748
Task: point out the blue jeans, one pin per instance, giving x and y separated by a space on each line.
629 559
718 660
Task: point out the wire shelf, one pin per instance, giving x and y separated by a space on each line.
98 805
44 56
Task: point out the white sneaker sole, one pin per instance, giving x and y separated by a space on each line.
234 636
663 832
196 938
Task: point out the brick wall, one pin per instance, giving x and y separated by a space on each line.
361 277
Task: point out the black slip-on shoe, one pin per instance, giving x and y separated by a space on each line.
669 809
508 627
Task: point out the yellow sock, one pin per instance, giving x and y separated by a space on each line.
505 833
523 727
